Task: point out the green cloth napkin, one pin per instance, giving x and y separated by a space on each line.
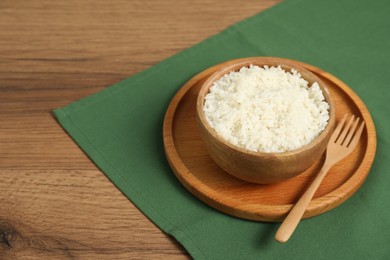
120 129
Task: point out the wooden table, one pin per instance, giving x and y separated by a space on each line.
55 203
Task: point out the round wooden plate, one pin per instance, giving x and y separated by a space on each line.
196 170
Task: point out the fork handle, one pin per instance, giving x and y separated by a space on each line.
292 220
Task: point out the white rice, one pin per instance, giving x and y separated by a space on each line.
266 109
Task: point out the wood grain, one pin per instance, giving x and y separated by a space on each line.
54 203
196 170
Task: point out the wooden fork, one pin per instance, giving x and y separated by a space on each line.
342 142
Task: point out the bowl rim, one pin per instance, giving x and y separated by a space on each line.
271 62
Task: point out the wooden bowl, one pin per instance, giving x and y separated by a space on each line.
261 167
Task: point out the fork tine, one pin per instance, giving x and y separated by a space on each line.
345 130
351 132
356 137
337 130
